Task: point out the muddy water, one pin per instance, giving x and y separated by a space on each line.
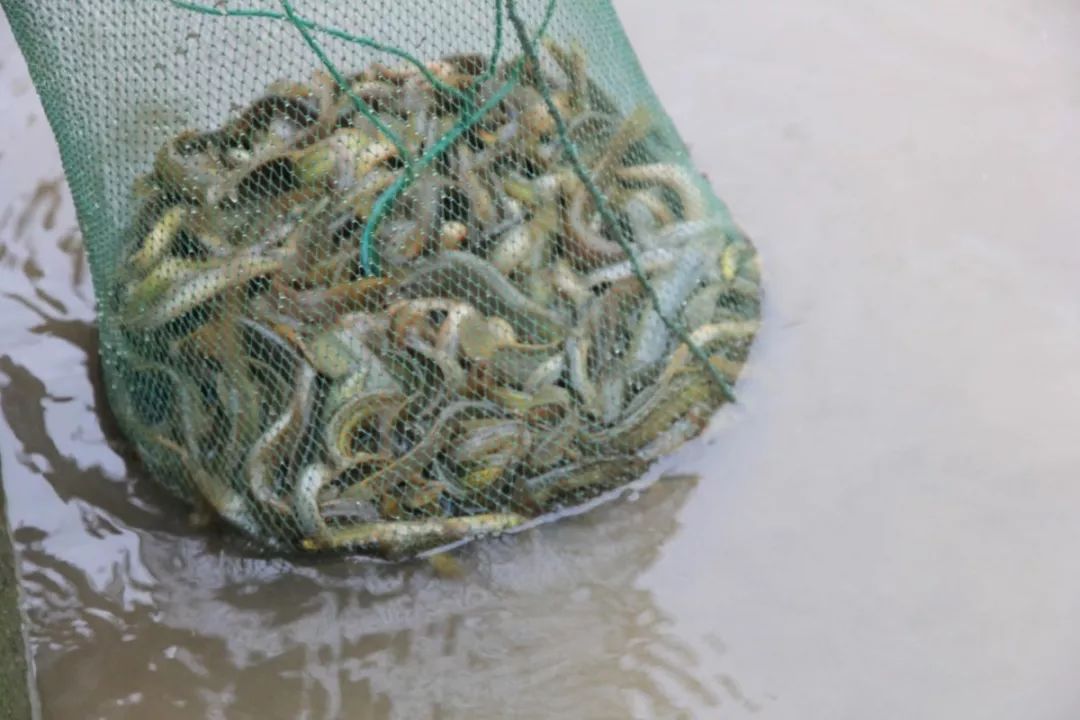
884 528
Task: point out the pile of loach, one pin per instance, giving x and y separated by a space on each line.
391 318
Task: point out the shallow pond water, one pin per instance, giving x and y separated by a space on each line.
885 527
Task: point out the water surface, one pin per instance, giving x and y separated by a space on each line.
885 527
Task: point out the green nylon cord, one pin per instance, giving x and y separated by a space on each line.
571 151
391 194
345 87
469 99
382 205
303 27
412 167
495 52
332 32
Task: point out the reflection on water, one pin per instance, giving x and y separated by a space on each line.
885 528
193 626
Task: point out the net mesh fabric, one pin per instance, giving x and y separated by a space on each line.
382 276
14 678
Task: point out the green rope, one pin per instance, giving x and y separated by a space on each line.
385 200
361 106
469 116
332 32
391 194
303 26
496 51
571 151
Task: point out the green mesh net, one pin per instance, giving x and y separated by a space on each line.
381 276
14 680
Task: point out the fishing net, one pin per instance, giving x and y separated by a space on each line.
383 276
14 680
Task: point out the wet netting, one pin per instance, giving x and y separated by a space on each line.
14 681
383 275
